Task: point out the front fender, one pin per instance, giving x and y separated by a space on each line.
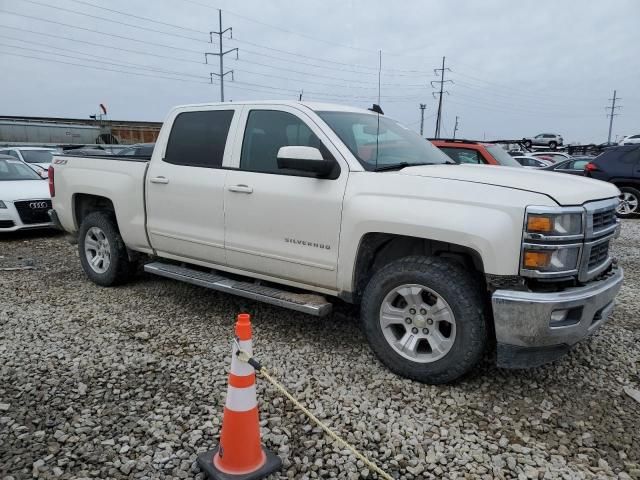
484 218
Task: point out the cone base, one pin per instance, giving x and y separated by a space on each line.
205 460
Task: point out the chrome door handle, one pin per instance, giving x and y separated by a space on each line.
241 189
162 180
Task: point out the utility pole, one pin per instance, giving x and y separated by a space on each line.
300 96
220 54
442 91
422 107
455 128
612 113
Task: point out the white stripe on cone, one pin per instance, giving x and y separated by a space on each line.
238 367
241 399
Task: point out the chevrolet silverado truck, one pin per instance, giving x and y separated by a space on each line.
299 204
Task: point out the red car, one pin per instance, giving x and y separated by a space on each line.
470 151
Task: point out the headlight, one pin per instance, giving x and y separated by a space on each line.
550 260
2 204
552 241
550 224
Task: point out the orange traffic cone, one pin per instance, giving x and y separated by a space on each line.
240 455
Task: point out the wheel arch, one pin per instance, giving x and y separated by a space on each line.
377 249
84 204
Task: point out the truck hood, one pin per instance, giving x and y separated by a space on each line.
563 188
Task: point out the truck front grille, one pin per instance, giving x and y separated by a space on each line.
604 219
598 255
33 211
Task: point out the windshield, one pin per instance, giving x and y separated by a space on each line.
37 156
11 170
502 157
377 141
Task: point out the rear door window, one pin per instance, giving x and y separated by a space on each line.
198 139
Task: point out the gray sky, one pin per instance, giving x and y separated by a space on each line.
519 68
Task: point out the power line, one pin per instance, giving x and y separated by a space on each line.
139 17
32 17
221 54
101 45
104 19
442 91
612 113
109 62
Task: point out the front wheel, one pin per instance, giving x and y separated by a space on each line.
423 317
629 202
103 254
553 145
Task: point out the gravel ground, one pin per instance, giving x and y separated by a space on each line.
129 383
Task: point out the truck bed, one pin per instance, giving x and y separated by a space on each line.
119 180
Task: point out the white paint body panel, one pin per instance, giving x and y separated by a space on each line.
197 219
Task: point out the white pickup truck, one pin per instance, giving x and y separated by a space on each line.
294 203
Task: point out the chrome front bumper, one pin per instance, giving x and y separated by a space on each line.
536 328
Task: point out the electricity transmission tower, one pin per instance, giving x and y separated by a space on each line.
455 128
220 54
422 107
612 113
442 81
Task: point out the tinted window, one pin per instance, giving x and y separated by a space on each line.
634 136
198 138
462 155
502 157
146 150
266 132
37 156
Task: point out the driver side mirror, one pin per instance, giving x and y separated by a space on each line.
305 159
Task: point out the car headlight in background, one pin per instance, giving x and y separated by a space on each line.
2 204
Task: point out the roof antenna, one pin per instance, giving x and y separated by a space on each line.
376 108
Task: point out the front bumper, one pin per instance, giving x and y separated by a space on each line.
536 328
10 220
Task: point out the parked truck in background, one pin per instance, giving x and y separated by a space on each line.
297 203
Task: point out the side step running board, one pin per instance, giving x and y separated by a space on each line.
310 303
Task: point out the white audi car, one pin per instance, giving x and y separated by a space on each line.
24 197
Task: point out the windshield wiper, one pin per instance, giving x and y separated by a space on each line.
400 166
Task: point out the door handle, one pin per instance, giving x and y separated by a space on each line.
162 180
241 189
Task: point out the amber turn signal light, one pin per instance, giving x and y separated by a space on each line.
538 223
537 259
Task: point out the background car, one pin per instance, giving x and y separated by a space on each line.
572 166
471 151
38 158
138 150
630 140
620 166
24 196
552 140
532 162
553 157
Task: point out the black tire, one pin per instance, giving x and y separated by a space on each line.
553 145
120 268
464 296
527 143
632 197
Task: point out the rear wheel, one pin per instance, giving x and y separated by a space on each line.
103 254
527 143
423 318
629 202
